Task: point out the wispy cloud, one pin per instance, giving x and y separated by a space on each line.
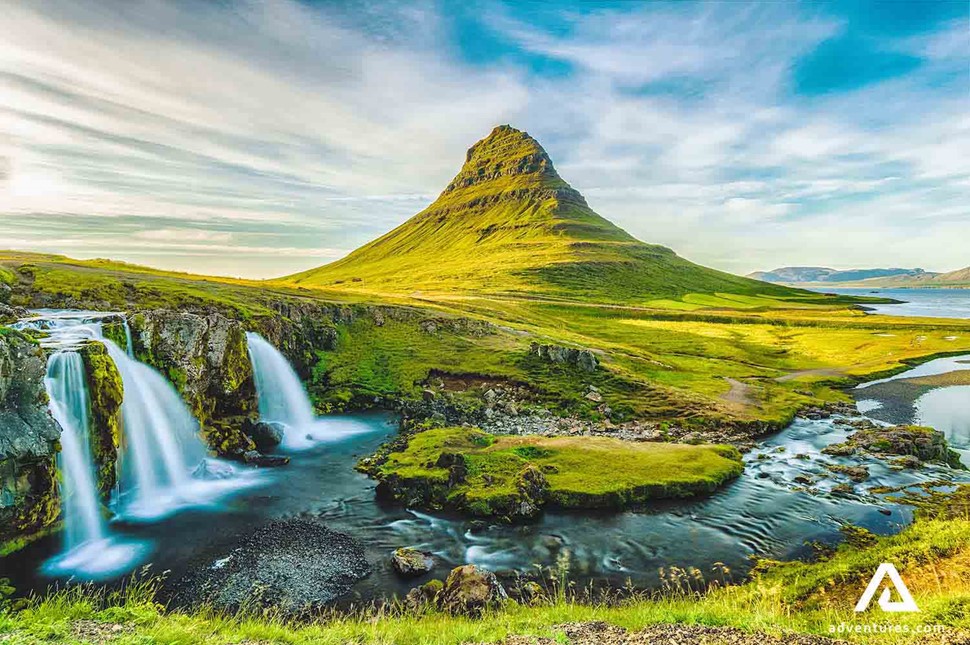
259 138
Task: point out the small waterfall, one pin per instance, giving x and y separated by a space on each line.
162 443
129 348
90 551
282 398
67 389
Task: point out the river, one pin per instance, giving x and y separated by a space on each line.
784 499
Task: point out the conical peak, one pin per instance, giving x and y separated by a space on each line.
506 153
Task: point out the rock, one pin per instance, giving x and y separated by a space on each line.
28 441
206 358
926 444
266 435
295 566
532 592
456 465
411 563
596 397
420 598
584 359
907 461
855 473
213 469
532 487
469 591
254 458
839 450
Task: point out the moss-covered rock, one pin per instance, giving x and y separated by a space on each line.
29 503
106 393
925 444
206 358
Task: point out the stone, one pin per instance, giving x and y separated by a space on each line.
258 459
28 441
266 435
212 469
596 397
470 591
411 563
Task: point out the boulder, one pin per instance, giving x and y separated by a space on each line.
266 435
582 358
470 591
411 563
213 469
28 442
259 460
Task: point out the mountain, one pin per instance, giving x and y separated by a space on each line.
509 224
804 275
958 278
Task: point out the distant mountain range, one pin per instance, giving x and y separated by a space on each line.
801 275
885 278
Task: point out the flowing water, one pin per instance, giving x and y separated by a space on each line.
785 498
282 398
159 454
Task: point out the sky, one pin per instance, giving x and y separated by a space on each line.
257 139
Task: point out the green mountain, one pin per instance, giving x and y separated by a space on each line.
509 224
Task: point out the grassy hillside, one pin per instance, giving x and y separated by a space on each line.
509 224
700 358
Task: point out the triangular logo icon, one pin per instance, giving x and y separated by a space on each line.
906 602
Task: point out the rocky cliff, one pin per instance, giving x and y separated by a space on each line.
28 442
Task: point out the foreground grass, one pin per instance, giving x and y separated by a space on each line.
933 556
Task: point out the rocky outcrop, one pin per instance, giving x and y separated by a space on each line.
411 563
470 591
584 359
28 442
106 391
924 444
206 358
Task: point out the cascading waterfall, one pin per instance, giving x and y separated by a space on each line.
162 444
160 456
90 551
282 398
67 389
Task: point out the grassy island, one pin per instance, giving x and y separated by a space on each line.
468 470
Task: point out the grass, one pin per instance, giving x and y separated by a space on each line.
500 473
932 555
659 362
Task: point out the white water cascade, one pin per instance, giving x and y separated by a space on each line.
67 389
162 446
90 552
283 400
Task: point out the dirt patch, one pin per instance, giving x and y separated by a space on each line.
739 394
94 631
825 371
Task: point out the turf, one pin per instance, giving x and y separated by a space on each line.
581 472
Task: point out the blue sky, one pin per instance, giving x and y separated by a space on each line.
261 138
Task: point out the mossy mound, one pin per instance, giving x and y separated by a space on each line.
471 471
105 392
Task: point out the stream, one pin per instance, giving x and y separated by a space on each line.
784 500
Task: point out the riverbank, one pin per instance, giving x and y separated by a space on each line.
815 598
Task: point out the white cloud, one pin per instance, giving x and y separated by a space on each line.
222 126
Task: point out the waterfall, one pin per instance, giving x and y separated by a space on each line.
281 396
129 347
162 444
90 551
67 389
